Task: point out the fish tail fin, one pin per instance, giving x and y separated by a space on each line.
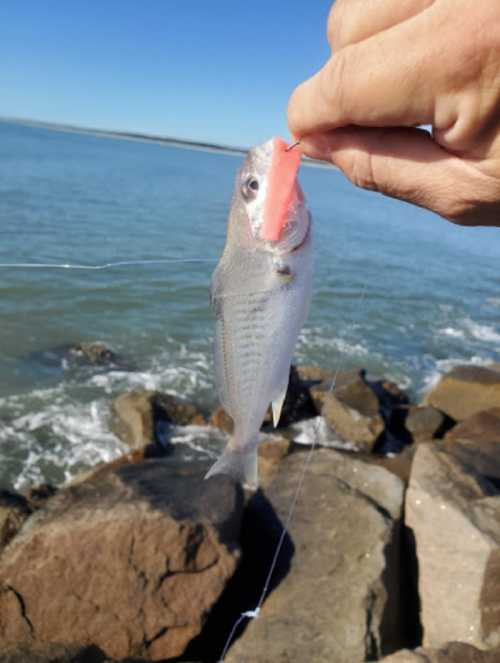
241 465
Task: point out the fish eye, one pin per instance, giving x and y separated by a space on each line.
250 187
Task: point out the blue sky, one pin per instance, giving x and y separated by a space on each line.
218 71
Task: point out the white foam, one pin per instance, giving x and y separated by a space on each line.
442 366
486 333
451 332
317 431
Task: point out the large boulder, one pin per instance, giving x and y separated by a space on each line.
453 652
130 560
142 417
339 600
352 410
466 390
454 514
476 442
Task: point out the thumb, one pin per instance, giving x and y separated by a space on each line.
406 163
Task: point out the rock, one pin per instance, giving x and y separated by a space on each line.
484 425
352 411
221 419
38 495
54 653
454 514
130 561
95 353
142 417
465 391
424 422
476 442
310 375
14 510
339 600
453 652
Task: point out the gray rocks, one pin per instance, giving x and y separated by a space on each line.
130 561
455 516
142 417
453 652
465 391
340 599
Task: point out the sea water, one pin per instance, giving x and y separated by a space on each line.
398 291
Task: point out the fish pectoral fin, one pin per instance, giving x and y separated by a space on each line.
277 406
284 273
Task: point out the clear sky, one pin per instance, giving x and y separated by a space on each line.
215 70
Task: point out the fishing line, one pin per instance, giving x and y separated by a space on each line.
107 265
253 614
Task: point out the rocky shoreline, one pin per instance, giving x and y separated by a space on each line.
393 552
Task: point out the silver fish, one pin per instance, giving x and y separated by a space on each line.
260 292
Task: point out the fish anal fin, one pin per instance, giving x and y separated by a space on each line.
277 406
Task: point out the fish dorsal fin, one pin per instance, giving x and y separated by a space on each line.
277 406
280 190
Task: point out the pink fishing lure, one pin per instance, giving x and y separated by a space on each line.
281 189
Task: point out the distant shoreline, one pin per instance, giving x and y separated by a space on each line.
144 138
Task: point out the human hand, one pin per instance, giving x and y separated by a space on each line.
397 64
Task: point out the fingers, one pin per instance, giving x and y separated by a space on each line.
408 164
352 21
383 81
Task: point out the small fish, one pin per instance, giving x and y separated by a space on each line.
260 292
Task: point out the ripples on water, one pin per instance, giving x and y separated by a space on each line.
397 290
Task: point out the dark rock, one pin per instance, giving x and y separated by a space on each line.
454 514
94 353
53 653
340 600
38 495
465 391
14 510
142 417
453 652
298 403
130 561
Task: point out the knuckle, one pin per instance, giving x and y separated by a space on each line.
361 172
332 83
338 31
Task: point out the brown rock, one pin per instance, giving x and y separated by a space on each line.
314 374
221 419
424 422
340 599
142 417
352 411
131 562
476 442
14 510
94 353
466 390
453 652
455 517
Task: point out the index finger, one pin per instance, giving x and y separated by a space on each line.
385 80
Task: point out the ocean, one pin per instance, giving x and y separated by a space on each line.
397 290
